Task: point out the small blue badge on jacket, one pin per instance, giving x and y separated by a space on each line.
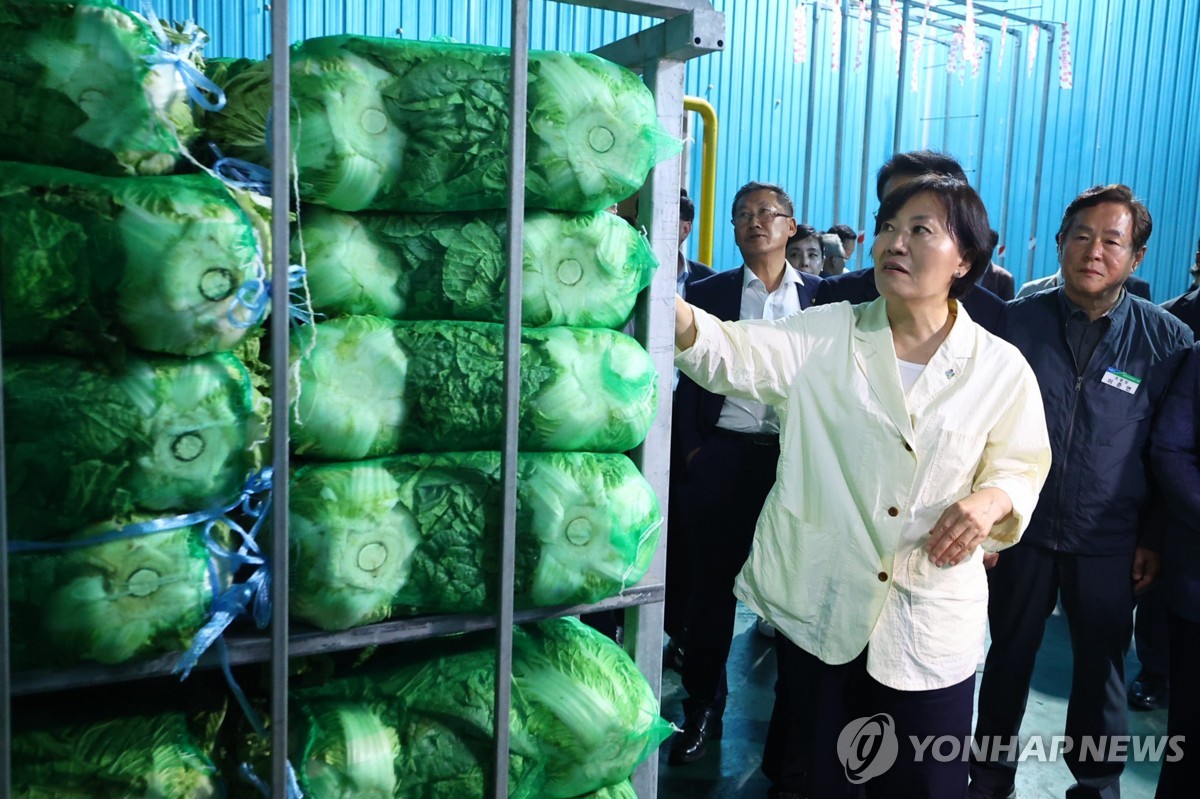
1118 379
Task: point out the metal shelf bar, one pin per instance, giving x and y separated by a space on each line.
246 649
5 632
661 9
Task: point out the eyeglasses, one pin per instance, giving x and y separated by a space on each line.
763 215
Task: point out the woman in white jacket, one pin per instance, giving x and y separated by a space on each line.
921 447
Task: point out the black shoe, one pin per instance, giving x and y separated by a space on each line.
673 656
701 726
1147 692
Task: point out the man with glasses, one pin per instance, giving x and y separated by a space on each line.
730 449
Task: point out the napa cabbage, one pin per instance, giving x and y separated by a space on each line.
579 269
82 85
164 264
388 124
420 534
372 387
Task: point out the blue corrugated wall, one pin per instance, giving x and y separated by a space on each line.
1131 115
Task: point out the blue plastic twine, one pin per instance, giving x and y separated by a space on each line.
252 300
179 54
241 174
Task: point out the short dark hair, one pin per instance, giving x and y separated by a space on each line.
803 232
966 222
1143 225
916 163
843 232
687 208
754 185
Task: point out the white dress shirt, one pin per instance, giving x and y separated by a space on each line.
742 415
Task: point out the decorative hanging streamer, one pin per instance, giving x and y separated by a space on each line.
916 61
1065 77
836 37
1003 42
800 35
862 34
971 49
1034 35
897 32
955 64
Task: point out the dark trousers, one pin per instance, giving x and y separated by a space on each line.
679 567
1179 779
826 699
1097 597
728 482
1151 631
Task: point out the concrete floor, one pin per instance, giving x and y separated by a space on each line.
730 767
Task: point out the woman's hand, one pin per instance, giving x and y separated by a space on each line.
685 324
963 526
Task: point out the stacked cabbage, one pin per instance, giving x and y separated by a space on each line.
165 755
89 85
386 124
131 427
583 718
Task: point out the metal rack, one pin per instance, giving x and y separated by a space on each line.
689 28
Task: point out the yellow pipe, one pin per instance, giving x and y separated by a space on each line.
708 176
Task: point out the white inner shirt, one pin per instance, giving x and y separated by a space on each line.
745 416
909 372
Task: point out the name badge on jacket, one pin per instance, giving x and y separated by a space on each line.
1118 379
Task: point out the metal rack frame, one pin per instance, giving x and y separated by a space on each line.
689 28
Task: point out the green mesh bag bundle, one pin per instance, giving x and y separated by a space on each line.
584 270
387 124
420 534
160 756
166 264
371 387
89 85
113 601
622 790
87 443
583 717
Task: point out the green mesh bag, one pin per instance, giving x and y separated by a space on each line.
89 85
388 124
584 270
371 387
161 756
87 443
583 717
113 601
622 790
420 534
164 264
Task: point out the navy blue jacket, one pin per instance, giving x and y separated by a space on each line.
696 271
1175 453
985 308
1095 495
696 411
1187 308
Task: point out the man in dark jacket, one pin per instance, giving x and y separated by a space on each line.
1175 454
1104 360
984 307
1187 306
730 449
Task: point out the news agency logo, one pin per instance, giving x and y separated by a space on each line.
868 747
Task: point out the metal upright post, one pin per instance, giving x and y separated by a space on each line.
839 145
281 146
1012 137
654 323
518 97
5 633
1041 153
900 80
866 157
983 113
812 111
